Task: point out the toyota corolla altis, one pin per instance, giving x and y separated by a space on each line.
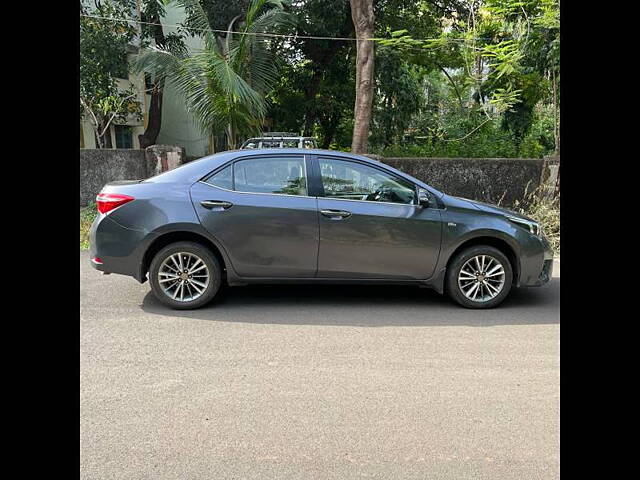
309 216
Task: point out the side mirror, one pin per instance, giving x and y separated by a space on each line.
423 197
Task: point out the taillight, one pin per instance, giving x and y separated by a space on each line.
108 201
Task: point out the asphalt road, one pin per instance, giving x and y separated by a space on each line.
312 382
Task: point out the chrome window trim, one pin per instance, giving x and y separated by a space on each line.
307 196
369 201
254 193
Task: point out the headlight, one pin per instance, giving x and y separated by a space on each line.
532 227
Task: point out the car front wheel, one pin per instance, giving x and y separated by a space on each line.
479 277
185 275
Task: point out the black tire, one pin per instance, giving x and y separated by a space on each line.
208 258
453 288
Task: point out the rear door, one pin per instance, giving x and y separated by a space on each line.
371 225
259 209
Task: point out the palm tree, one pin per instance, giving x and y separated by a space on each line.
224 84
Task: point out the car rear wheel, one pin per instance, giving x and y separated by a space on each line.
185 275
479 277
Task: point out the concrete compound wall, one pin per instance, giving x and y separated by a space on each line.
492 180
98 167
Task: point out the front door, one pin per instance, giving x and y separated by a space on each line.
259 209
371 225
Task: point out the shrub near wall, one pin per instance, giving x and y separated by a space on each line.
98 167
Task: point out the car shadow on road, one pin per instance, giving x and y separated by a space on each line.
370 306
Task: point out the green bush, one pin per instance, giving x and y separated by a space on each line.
87 215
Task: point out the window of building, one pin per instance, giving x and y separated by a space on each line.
124 136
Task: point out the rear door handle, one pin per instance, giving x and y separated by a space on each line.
335 214
216 204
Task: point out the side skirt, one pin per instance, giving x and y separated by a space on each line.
436 282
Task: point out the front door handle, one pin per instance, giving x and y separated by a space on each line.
216 204
335 214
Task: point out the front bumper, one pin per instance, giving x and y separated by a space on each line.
547 272
544 267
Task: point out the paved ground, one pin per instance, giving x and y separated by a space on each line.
317 382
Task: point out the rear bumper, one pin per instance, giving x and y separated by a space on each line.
120 249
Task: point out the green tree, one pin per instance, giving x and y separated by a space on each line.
224 84
503 55
400 95
103 59
324 110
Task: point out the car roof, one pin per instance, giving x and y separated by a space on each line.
193 171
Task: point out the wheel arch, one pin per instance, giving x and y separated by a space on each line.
493 241
179 235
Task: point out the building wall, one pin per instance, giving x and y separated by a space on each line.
178 127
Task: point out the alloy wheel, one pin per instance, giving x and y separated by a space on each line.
183 276
481 278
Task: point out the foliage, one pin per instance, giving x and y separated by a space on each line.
400 95
87 215
316 87
103 59
473 78
500 63
224 85
152 12
219 14
546 211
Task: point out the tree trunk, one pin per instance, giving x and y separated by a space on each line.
556 114
310 93
105 140
154 120
455 87
363 21
330 131
231 137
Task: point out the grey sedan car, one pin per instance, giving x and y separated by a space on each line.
309 216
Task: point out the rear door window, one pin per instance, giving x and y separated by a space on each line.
283 175
221 179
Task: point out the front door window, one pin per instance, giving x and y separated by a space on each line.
355 181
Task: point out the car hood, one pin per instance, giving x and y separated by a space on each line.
487 207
